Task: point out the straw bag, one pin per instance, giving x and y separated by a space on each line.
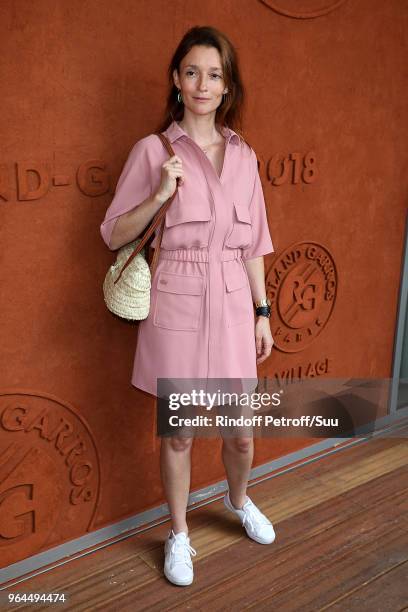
127 294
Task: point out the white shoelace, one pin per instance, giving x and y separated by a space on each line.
253 515
180 550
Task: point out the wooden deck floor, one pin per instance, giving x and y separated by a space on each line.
342 545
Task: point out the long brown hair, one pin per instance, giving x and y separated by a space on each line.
229 112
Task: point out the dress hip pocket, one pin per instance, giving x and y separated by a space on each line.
179 301
238 301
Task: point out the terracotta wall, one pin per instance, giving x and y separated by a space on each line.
81 82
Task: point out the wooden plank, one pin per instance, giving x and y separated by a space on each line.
386 593
85 591
350 456
334 587
287 575
353 474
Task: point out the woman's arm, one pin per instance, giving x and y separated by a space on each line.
124 222
263 336
131 224
256 274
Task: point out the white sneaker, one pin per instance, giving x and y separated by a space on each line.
257 525
178 567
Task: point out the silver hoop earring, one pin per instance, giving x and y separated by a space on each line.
179 98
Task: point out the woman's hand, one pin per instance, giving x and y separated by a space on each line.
171 170
263 339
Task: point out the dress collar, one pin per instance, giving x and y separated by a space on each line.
174 132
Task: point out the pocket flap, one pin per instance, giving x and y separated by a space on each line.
235 280
178 283
193 211
242 213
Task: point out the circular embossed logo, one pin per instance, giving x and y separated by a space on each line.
49 474
303 9
302 285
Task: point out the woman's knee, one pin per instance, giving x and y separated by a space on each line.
179 443
239 444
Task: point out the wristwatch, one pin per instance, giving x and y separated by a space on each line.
263 308
263 302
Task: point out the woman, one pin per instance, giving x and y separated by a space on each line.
201 323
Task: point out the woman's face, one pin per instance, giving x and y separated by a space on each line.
201 80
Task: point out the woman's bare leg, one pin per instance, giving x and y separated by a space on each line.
237 452
175 469
237 455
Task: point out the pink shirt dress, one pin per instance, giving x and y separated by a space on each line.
201 322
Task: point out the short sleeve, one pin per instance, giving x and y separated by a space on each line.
262 241
133 187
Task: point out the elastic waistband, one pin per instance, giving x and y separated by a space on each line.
200 255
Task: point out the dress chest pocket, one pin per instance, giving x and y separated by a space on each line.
187 223
240 235
179 301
